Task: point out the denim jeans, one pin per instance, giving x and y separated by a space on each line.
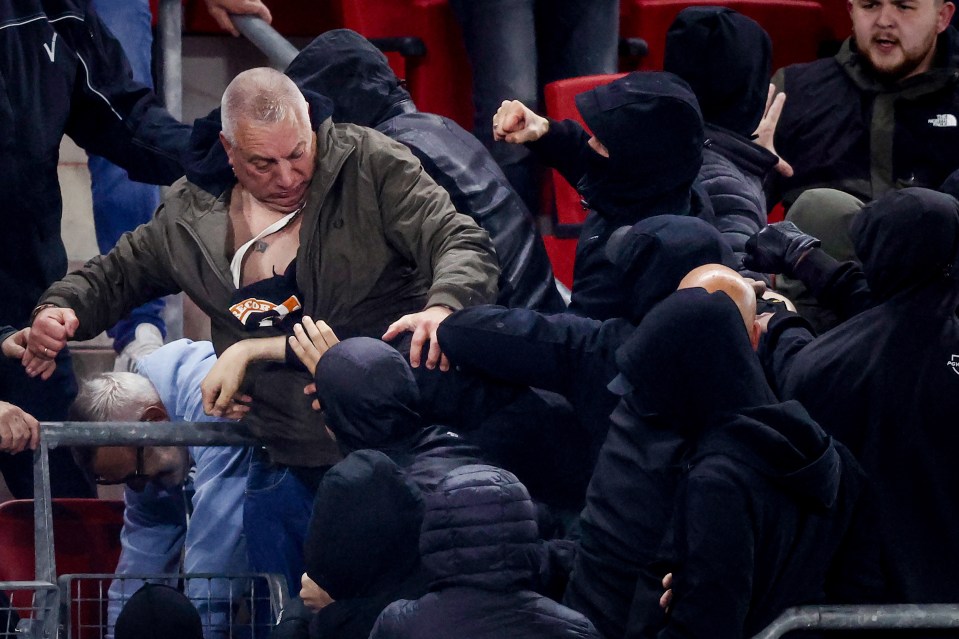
276 515
517 46
120 205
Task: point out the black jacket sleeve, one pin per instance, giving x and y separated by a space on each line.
786 334
114 116
564 148
523 347
840 286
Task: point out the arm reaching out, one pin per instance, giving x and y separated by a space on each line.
310 340
220 11
221 386
516 123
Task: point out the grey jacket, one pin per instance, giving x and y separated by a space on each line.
379 239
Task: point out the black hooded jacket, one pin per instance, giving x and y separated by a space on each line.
62 72
725 58
766 500
480 547
651 125
362 546
705 475
572 355
356 76
886 383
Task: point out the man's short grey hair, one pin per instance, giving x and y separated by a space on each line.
261 95
114 397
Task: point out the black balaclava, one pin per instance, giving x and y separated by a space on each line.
651 125
691 359
344 66
725 58
907 238
368 394
157 611
353 552
655 254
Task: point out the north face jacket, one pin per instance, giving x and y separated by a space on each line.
844 128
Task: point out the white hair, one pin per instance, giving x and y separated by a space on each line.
261 95
114 397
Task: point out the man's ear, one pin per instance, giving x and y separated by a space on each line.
227 147
155 413
945 16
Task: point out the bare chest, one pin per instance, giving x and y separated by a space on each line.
263 245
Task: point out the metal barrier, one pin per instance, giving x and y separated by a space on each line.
24 606
890 617
53 434
245 605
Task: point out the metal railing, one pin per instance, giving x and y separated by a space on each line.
888 617
53 434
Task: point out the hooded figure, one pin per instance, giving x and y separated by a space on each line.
652 130
481 549
725 58
572 355
746 489
885 383
157 611
356 76
370 400
362 547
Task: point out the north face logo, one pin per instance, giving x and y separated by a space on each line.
943 120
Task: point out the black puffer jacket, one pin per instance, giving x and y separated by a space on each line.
885 383
480 546
725 58
62 72
842 127
345 67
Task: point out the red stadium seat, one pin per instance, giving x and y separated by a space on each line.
439 81
86 540
796 27
569 212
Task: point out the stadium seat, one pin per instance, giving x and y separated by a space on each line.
86 540
440 79
796 27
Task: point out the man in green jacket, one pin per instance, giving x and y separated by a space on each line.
367 242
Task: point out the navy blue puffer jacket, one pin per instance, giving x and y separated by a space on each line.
480 545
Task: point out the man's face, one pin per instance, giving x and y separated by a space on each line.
898 37
163 465
274 162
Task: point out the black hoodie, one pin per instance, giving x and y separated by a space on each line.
886 383
571 355
725 58
356 76
700 434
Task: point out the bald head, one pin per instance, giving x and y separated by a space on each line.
261 96
716 277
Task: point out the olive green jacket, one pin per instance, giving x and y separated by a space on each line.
379 239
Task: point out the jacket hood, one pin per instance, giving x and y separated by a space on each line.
656 253
176 370
906 238
355 551
651 125
207 164
725 58
690 359
782 443
344 66
368 394
480 530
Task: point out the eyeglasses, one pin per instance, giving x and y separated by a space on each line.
136 474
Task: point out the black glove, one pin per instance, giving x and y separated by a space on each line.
778 248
